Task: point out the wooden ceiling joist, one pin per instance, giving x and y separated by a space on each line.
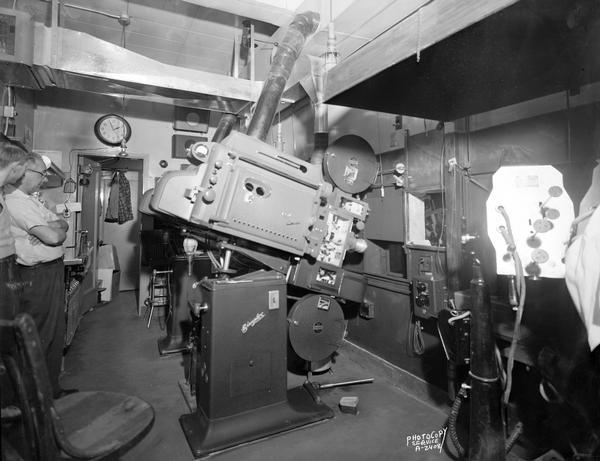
428 25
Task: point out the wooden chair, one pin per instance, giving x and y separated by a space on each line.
82 425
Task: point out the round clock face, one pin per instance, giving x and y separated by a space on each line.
112 129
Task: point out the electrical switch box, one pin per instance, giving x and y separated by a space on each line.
426 270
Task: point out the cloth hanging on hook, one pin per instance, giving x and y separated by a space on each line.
119 202
112 209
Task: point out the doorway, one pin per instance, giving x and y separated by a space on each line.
124 236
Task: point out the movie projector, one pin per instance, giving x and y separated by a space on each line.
278 210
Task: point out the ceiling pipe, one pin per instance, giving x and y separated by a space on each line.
224 127
287 53
321 125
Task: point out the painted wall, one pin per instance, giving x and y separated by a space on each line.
297 128
64 121
24 117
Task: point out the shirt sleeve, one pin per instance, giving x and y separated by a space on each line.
24 213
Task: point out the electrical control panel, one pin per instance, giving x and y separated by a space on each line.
530 211
246 188
426 272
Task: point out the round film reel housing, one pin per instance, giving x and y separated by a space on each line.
316 327
350 164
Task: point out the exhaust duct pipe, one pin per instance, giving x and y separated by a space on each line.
287 53
224 127
319 68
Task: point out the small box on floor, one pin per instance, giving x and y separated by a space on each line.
109 280
349 405
108 272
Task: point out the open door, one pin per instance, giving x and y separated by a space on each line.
91 209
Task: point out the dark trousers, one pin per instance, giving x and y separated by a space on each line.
10 293
10 288
44 299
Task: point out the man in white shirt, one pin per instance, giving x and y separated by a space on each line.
39 235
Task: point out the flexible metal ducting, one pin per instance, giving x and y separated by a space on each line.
287 53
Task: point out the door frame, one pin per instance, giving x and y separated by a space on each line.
94 154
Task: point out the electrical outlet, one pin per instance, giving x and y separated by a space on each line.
71 206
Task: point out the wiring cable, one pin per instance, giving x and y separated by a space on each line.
415 336
10 103
521 292
556 397
213 259
455 318
513 436
4 104
443 188
453 418
501 370
444 346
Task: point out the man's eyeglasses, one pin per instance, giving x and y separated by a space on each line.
43 174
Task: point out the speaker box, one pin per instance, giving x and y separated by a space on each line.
187 119
181 142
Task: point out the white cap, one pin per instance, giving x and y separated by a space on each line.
47 161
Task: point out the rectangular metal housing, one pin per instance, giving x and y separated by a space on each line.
242 362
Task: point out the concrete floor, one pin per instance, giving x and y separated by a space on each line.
114 351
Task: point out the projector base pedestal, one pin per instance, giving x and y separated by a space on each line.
207 436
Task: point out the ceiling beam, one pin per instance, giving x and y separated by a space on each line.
356 23
250 9
430 24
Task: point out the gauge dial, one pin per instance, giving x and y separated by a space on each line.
542 225
540 256
112 129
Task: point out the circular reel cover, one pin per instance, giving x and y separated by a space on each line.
316 327
350 164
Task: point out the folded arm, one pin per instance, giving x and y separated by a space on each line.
59 224
49 235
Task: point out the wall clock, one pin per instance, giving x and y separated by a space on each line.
112 129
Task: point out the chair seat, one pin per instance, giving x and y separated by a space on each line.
99 423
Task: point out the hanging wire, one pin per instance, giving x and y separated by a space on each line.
467 195
293 136
5 91
416 340
124 45
215 262
124 23
521 291
443 187
381 176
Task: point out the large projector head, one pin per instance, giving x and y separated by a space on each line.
245 188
